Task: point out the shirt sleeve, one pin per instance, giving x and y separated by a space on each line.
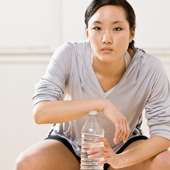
52 85
158 104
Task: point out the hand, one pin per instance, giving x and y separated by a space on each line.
119 120
107 153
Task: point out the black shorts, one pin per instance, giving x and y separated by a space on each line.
106 166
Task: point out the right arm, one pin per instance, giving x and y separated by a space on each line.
46 112
49 106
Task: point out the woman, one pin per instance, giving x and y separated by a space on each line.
110 75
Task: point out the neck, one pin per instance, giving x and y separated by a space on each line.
114 69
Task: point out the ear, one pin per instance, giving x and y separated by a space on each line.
132 35
87 33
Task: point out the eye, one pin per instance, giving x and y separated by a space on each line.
97 28
117 29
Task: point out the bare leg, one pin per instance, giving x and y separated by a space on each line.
161 161
47 155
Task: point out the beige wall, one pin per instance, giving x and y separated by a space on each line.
18 130
21 65
19 73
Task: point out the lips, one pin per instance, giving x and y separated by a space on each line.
107 50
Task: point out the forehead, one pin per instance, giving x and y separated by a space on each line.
109 13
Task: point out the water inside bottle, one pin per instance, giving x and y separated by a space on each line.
88 143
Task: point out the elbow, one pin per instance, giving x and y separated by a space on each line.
38 114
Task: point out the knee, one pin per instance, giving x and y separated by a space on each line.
25 162
161 161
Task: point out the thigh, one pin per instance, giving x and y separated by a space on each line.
48 154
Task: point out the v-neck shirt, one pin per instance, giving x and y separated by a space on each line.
143 85
127 58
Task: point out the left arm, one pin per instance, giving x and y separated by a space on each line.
148 149
158 115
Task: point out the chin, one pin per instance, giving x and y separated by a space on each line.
106 60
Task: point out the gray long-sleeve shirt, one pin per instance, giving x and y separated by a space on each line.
143 85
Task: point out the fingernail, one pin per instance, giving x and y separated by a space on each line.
96 140
88 152
90 156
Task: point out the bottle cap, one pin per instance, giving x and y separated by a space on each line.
94 112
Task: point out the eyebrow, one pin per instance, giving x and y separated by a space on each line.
115 22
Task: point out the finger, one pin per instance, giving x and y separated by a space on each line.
104 161
97 149
118 133
104 140
127 133
102 154
96 155
122 132
86 144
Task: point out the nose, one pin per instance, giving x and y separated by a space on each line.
107 38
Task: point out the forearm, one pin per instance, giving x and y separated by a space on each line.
64 111
148 149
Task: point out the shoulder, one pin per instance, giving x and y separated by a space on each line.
152 68
145 67
80 48
147 61
75 46
72 49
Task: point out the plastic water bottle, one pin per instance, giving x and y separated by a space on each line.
90 131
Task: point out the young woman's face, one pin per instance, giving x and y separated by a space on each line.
109 33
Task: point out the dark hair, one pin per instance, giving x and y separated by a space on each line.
130 14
